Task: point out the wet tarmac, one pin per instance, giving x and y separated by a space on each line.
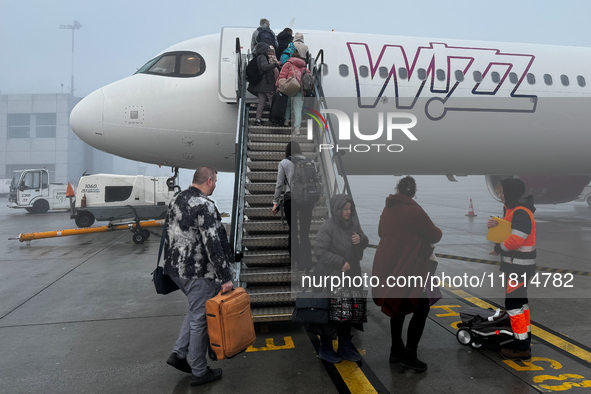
80 314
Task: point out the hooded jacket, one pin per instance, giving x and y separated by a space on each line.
406 234
283 40
518 251
293 67
255 34
301 48
267 84
333 246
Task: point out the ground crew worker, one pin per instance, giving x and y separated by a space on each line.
518 253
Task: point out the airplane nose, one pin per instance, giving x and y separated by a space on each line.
86 120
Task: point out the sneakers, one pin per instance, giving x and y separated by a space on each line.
512 354
257 122
411 361
327 352
296 131
347 351
179 363
210 375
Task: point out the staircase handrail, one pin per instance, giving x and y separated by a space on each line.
334 169
240 156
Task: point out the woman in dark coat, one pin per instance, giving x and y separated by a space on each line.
283 38
266 87
339 248
406 234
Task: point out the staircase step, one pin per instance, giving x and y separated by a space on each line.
275 156
278 147
266 258
260 213
277 138
275 227
255 200
263 166
268 129
260 188
268 275
257 242
259 176
270 314
265 295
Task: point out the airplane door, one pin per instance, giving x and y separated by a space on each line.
228 81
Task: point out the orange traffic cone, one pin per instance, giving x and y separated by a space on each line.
70 191
471 210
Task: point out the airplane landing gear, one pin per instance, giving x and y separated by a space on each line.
172 181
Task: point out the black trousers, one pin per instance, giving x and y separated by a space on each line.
415 328
299 218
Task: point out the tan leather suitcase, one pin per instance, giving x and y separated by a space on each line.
229 323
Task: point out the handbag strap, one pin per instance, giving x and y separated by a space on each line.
162 241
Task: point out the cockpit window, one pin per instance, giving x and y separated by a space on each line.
175 64
164 65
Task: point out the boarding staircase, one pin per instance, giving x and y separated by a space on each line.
259 238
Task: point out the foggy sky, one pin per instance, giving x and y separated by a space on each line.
117 37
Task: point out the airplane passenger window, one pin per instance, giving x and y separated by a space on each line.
564 80
477 76
513 78
343 70
175 64
422 74
548 79
364 71
324 69
496 78
531 79
383 72
459 75
403 73
581 81
440 75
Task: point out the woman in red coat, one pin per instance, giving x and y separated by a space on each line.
406 234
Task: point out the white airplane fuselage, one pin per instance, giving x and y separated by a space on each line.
502 124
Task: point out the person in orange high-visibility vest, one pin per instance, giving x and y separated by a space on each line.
518 253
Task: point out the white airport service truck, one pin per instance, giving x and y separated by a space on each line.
31 190
107 197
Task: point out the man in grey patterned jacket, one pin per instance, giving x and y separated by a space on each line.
197 256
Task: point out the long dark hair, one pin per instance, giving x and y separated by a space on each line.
292 148
407 186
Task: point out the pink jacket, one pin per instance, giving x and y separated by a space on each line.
298 68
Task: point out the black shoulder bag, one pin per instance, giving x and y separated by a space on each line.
162 282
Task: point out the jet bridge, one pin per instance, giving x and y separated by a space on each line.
259 238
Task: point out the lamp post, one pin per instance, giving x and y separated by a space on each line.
73 27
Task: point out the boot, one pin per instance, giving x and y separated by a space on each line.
396 353
410 361
347 351
327 352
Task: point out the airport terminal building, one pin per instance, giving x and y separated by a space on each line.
35 133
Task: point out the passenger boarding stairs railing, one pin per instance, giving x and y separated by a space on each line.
259 238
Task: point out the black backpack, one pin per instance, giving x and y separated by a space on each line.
266 36
305 187
253 74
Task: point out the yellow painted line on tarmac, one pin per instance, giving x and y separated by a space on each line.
354 378
560 343
271 345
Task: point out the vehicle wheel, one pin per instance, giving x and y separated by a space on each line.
30 210
464 336
589 200
476 345
138 237
146 233
40 206
84 219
